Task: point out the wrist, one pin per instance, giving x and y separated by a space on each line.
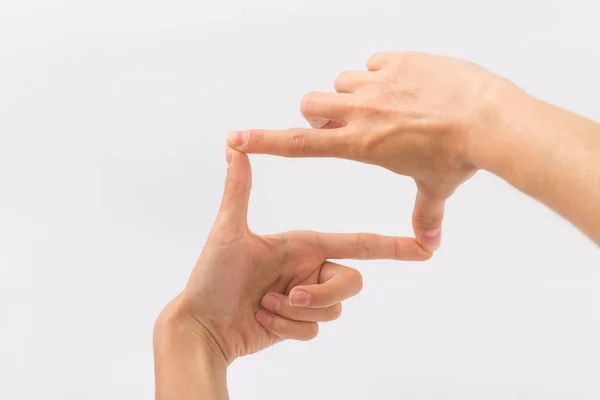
492 139
176 327
187 362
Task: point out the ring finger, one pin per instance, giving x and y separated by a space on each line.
319 108
351 81
279 304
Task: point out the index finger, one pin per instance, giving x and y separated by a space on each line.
368 246
294 142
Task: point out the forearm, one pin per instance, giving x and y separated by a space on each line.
187 365
548 153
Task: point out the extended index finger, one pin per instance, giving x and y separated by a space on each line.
294 142
368 246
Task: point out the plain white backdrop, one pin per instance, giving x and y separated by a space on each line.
113 116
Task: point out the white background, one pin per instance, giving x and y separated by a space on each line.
113 116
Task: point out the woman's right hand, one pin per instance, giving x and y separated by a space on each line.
415 114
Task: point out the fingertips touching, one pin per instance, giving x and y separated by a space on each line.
428 215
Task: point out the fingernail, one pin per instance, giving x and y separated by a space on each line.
271 303
430 240
318 123
263 317
228 155
300 298
237 138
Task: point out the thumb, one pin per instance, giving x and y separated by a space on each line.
233 212
427 220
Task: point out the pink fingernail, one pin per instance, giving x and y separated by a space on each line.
271 303
430 240
318 123
263 317
237 138
300 298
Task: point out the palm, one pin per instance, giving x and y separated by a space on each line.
245 270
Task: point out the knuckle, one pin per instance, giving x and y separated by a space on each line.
235 185
376 56
371 145
363 247
308 103
358 279
255 139
429 222
407 56
297 141
341 80
352 146
313 331
369 109
397 250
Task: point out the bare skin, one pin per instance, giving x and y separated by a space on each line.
438 120
433 118
248 292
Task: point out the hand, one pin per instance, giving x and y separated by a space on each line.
224 301
415 114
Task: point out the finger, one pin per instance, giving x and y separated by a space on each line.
427 220
279 304
318 123
378 61
325 106
323 123
296 142
234 204
368 246
350 81
287 329
337 283
333 125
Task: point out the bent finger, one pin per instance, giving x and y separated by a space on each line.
279 304
331 106
378 61
336 284
350 81
287 329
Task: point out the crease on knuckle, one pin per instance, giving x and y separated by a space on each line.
363 246
397 251
298 141
428 222
256 139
